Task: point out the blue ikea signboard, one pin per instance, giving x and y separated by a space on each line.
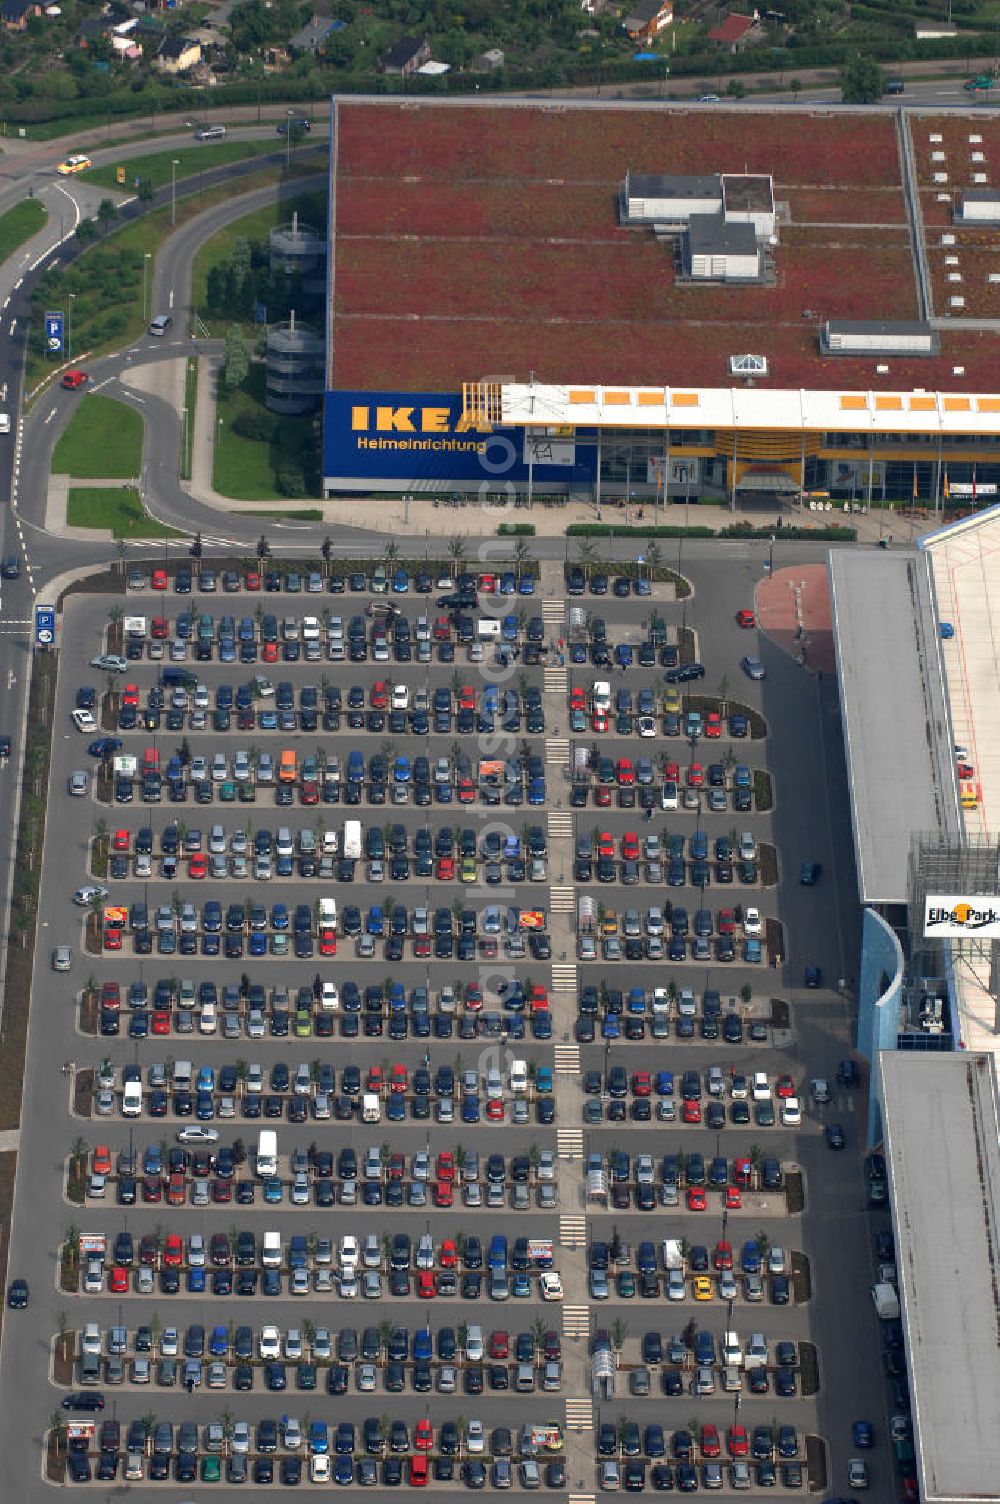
411 438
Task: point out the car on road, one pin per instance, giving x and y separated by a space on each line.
752 667
83 720
86 895
74 163
198 1134
78 784
746 618
17 1295
834 1134
62 958
113 663
74 380
11 567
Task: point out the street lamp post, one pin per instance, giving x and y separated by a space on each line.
288 139
174 164
145 275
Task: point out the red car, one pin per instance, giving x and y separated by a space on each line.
606 844
397 1166
423 1436
309 792
722 1256
466 791
159 627
697 1201
599 720
733 1199
197 866
445 869
671 773
251 580
426 1289
625 772
374 1078
421 946
537 997
74 380
399 1079
446 1166
737 1441
118 1280
328 942
784 1086
158 579
121 840
161 1021
102 1160
111 995
269 652
695 775
745 619
499 1345
494 1110
152 1188
709 1443
176 1190
642 1084
418 1471
449 1254
467 697
380 695
473 997
488 583
726 922
444 1194
742 1171
630 846
691 1112
112 938
602 796
173 1250
577 698
713 725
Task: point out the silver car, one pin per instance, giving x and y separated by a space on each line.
79 783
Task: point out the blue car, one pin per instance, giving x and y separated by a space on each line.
104 746
196 1282
863 1434
526 585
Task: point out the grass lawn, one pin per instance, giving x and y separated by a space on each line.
116 509
246 469
104 439
19 224
187 423
155 168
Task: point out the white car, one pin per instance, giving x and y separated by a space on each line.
857 1473
760 1089
791 1113
647 726
83 720
400 697
319 1468
752 922
291 1433
349 1253
475 1438
269 1342
196 1134
86 895
550 1285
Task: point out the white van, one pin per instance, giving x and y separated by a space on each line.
371 1109
210 133
267 1152
519 1077
132 1099
271 1253
326 912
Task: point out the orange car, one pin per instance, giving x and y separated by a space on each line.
288 766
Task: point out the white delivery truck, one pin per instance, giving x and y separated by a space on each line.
132 1099
267 1153
886 1302
371 1108
600 695
326 914
352 840
673 1253
519 1077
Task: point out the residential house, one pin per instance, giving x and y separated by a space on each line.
647 19
406 56
178 55
314 34
737 32
16 13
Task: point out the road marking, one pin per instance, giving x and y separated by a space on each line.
557 749
576 1321
13 322
562 900
564 976
560 823
553 611
555 681
51 415
582 1499
569 1142
572 1231
567 1056
579 1417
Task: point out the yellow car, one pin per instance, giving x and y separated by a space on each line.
702 1287
469 872
672 701
75 163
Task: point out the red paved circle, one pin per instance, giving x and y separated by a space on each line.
793 608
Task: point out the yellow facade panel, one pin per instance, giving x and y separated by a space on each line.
651 399
922 405
853 404
889 404
988 404
684 399
582 396
956 405
617 399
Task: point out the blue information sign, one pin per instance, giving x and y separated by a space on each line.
45 626
54 332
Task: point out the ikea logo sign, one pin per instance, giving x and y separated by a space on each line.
390 418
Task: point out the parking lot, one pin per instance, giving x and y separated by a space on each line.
437 1036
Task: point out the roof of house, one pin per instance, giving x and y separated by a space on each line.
402 52
732 29
314 33
176 46
673 185
644 11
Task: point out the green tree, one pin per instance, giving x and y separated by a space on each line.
239 261
237 357
106 212
862 81
145 191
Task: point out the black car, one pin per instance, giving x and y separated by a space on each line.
83 1400
17 1295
